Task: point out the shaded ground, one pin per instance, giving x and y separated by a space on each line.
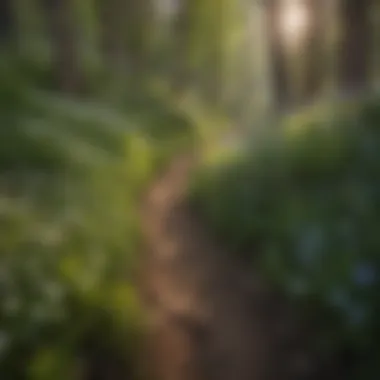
207 319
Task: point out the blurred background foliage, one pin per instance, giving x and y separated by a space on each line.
97 95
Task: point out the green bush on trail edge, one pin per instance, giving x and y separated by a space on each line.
303 203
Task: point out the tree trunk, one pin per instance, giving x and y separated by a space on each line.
111 15
355 60
6 22
63 35
374 10
314 51
280 79
331 46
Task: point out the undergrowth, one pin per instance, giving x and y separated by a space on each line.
71 174
302 203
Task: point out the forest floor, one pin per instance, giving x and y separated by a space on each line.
209 318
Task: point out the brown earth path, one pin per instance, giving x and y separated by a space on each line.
207 319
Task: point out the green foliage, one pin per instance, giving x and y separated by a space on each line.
71 176
303 201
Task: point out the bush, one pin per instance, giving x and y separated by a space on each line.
307 198
71 175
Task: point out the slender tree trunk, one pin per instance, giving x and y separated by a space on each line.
127 37
63 36
374 10
331 46
314 51
280 79
357 35
295 47
6 22
112 19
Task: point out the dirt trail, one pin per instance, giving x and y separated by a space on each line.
206 321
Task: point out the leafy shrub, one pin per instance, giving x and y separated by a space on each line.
304 202
71 174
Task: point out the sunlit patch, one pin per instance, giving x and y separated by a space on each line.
294 20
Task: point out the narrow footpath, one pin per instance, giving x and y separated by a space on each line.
207 319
